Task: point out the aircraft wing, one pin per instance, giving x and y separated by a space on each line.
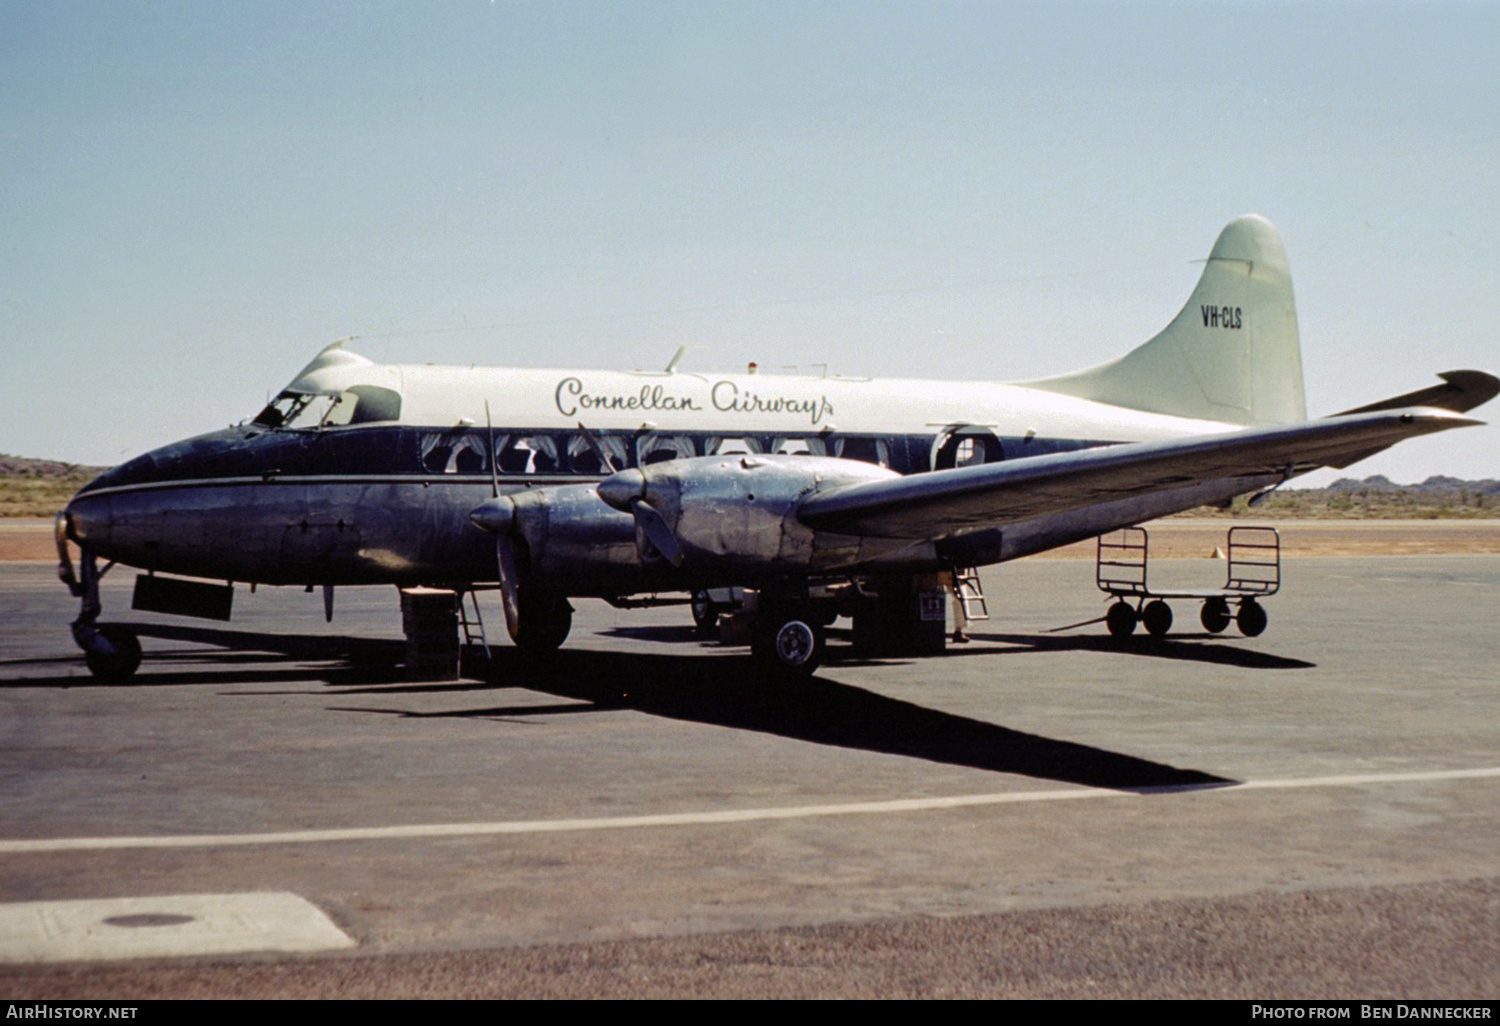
944 501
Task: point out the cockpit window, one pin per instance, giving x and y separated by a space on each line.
361 404
375 404
283 408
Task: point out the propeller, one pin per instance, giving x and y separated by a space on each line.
625 490
498 517
654 526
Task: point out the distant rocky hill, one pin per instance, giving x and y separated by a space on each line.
39 488
1376 497
1435 485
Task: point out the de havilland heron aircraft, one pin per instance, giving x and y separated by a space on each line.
816 495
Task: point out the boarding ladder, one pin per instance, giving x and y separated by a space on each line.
970 593
473 629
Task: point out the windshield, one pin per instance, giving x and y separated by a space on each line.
361 404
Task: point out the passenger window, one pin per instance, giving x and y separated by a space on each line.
660 448
528 454
582 459
742 445
801 447
453 453
867 450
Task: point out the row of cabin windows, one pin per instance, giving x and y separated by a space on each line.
464 452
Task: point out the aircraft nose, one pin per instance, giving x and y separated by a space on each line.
87 518
623 487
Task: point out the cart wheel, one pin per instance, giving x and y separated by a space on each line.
1120 619
1251 618
1157 618
1215 616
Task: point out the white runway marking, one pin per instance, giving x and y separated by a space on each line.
164 927
545 826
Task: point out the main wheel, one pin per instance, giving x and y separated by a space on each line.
1157 618
545 623
1215 615
114 654
789 644
1251 619
705 613
1120 619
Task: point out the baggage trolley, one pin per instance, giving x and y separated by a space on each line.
1254 573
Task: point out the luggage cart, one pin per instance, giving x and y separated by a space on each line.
1254 573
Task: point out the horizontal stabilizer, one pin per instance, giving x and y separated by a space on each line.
1461 391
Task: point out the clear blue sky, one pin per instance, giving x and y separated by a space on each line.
195 197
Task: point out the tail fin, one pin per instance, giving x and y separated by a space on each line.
1232 354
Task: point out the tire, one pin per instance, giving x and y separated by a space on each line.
1215 615
1251 619
1120 619
1157 618
705 613
122 658
789 645
545 623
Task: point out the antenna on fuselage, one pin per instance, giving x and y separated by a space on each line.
681 352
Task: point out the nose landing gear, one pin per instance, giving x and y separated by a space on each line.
112 652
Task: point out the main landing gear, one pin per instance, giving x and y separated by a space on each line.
787 637
894 616
544 623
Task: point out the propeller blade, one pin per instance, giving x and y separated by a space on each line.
654 526
505 559
605 463
494 457
498 517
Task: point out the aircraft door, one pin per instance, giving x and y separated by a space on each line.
965 445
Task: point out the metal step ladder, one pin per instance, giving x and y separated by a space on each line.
473 629
971 593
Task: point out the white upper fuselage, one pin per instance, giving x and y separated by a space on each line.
446 396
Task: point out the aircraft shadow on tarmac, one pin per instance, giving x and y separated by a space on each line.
729 693
718 690
1202 648
1197 647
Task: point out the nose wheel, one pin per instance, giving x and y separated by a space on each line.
112 653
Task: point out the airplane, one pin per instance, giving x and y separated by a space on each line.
817 494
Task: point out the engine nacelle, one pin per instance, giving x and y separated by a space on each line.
737 512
